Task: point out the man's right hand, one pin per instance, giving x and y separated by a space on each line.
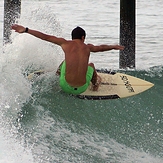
18 28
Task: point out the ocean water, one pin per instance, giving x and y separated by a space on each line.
41 124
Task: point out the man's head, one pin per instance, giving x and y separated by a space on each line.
78 33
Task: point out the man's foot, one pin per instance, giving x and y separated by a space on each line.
58 72
98 82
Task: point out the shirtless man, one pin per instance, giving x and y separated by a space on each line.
75 71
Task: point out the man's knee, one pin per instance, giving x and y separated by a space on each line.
92 65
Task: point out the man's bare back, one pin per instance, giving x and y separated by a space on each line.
76 57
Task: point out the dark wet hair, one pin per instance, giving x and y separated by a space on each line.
77 33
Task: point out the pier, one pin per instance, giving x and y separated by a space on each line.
12 9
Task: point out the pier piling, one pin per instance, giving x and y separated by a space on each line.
127 33
12 10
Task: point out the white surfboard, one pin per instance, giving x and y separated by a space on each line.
116 85
113 86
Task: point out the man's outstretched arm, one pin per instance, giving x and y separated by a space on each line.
102 48
43 36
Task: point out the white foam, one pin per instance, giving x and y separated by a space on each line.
25 53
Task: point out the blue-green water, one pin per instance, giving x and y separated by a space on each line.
40 123
134 123
59 128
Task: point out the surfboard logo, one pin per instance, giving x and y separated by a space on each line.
127 83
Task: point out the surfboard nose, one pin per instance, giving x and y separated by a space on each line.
117 85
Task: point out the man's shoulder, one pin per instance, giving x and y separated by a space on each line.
90 46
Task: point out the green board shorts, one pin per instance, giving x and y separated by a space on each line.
69 89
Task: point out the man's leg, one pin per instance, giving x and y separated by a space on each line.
96 79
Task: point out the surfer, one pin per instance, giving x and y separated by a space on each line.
75 71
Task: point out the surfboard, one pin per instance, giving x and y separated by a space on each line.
34 74
116 85
113 85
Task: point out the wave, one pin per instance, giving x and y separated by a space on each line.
96 131
51 126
